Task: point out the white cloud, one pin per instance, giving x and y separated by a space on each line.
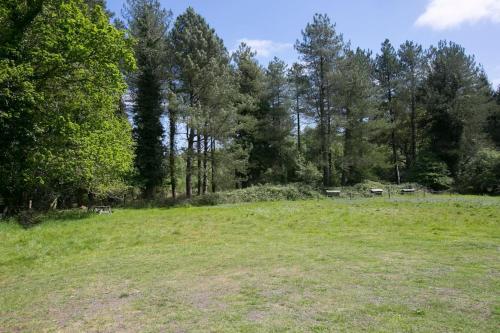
265 48
445 14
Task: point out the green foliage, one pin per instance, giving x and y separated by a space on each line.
481 174
492 125
388 73
273 152
354 96
257 194
458 100
320 49
61 88
148 24
308 173
413 62
431 172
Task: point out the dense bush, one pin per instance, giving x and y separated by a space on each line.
28 218
481 174
431 172
308 173
257 193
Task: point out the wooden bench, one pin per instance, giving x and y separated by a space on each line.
377 191
332 193
101 209
408 191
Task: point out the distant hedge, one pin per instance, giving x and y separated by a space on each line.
257 193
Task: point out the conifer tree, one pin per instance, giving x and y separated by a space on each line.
355 96
388 72
299 86
413 71
195 47
458 97
250 81
320 49
148 24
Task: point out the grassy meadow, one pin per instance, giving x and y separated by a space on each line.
406 264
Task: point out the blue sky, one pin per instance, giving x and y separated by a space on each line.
273 26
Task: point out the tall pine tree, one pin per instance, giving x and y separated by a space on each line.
148 24
320 49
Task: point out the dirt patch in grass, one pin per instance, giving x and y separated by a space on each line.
97 308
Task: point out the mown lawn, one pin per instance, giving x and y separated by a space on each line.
402 265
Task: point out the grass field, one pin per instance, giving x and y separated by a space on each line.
378 265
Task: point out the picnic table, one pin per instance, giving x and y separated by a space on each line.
101 209
376 191
332 193
408 191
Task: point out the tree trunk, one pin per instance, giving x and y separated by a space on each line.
395 157
198 157
213 163
328 141
393 138
189 161
347 143
298 123
173 176
413 129
205 162
322 116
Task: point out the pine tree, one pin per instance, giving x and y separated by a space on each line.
413 69
320 49
273 150
493 121
196 50
355 96
299 86
250 79
148 24
458 97
388 72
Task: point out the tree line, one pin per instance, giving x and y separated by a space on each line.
93 108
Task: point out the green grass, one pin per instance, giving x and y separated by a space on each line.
402 265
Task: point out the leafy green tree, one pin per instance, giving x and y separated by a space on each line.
430 171
320 49
60 87
148 24
481 174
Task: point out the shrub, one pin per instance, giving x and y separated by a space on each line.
481 174
28 218
308 173
257 193
432 173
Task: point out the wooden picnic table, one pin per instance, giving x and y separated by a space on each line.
376 191
332 193
101 209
